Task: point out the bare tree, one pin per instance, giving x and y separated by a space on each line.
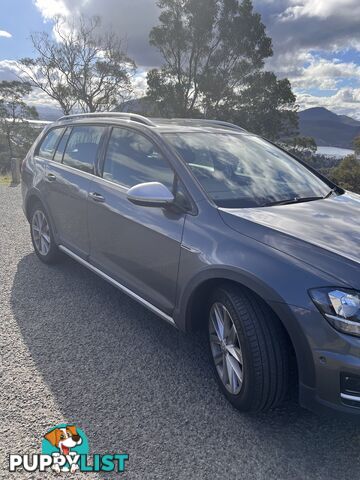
81 68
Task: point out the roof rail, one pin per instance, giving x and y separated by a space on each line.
224 124
129 116
202 122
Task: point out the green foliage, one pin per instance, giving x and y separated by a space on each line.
347 174
322 163
213 57
16 134
301 146
266 106
356 145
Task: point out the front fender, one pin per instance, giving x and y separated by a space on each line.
185 320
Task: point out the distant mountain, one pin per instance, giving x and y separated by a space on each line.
328 128
349 120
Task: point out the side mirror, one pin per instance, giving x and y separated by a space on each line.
152 194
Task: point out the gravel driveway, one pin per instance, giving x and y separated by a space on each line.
75 350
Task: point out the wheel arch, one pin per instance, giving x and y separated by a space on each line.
32 198
196 295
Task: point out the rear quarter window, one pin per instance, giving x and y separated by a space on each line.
47 147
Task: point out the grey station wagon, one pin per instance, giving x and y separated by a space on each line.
211 227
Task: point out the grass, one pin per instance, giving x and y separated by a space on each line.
5 179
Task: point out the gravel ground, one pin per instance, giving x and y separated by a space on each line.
75 350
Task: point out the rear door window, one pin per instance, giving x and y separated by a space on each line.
49 143
82 147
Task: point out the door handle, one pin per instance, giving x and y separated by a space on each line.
96 197
51 177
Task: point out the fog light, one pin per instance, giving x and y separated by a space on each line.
350 389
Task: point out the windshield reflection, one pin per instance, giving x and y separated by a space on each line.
242 170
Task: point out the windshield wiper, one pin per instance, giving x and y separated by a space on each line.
292 200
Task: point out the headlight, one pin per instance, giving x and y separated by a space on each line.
340 307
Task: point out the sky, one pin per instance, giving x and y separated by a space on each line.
316 42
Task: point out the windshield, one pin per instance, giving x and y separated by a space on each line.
243 171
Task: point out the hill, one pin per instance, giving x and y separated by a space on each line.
328 128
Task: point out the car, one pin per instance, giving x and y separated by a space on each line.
216 229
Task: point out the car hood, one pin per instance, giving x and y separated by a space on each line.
325 233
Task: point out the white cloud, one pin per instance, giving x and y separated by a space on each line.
52 8
8 70
5 34
140 84
320 9
325 74
312 24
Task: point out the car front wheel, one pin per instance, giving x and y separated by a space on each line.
249 349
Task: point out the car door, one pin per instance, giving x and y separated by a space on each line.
68 175
136 245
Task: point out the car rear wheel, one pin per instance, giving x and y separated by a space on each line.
42 236
249 349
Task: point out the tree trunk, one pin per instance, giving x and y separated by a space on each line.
15 170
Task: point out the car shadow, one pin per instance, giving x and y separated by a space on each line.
135 384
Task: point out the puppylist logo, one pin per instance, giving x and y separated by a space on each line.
65 448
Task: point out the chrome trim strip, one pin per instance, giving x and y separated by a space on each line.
343 320
354 398
69 168
112 184
118 285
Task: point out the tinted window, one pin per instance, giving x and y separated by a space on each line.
132 159
239 171
48 145
82 147
61 146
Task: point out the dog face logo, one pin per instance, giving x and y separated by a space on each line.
67 442
64 438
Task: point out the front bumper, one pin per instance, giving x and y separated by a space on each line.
335 357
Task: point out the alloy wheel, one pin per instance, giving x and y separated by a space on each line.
41 232
226 348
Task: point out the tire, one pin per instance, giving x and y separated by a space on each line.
258 344
51 254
